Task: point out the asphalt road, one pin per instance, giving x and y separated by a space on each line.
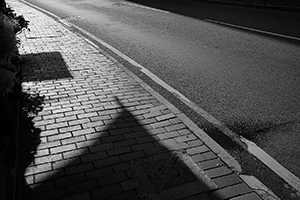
248 78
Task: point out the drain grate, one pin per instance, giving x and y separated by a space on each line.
170 177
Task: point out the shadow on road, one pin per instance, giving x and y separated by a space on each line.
274 21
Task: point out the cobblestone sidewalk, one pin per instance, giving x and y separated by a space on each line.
101 133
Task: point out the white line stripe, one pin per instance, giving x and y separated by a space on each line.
252 29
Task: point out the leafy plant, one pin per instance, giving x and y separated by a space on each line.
8 40
19 20
10 25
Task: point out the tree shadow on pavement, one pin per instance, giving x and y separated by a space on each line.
122 159
44 66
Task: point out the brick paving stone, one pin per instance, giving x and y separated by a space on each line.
198 197
125 195
83 132
224 193
209 164
165 117
76 123
178 146
135 135
87 143
62 148
123 143
74 113
112 179
75 153
184 132
67 180
130 184
48 158
104 192
101 147
146 121
175 127
242 188
38 169
111 139
66 118
97 173
51 195
62 110
185 138
195 143
59 136
44 122
42 187
219 171
198 158
70 128
175 121
209 155
93 156
42 152
142 146
156 131
160 124
48 176
66 162
82 187
251 196
86 115
48 132
122 166
82 196
73 140
79 168
120 131
56 125
197 150
107 162
227 180
132 155
168 135
119 151
141 128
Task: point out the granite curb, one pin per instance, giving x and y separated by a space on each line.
103 133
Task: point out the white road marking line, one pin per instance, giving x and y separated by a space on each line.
145 7
254 30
